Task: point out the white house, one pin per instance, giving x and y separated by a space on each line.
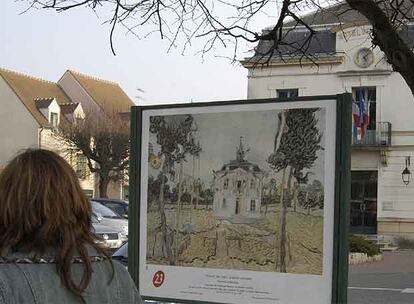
238 189
32 107
346 62
96 94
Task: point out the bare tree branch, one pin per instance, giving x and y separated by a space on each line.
104 140
228 23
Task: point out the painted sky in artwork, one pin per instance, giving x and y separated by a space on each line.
219 136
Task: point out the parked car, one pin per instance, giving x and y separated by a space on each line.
110 237
117 205
109 218
121 255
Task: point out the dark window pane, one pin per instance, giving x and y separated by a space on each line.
282 94
372 116
370 190
287 93
357 191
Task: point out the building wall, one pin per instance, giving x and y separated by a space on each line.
395 200
362 160
18 129
115 190
49 141
76 92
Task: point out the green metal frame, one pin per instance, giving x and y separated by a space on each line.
342 186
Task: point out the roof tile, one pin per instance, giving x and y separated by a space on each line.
107 94
29 89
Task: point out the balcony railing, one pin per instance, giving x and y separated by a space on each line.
380 137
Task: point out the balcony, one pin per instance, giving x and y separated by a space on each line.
380 137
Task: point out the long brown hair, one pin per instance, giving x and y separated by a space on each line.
43 207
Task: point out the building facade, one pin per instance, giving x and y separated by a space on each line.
339 59
238 189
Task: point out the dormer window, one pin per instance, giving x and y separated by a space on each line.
54 119
50 110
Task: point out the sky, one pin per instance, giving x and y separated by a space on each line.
219 136
44 43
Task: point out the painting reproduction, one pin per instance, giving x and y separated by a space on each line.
241 190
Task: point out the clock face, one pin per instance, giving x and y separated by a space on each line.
364 58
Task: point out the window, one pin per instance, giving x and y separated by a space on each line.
252 205
364 188
224 203
103 211
81 166
287 93
54 119
226 184
239 184
125 191
252 184
118 208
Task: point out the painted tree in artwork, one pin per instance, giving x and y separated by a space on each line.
174 137
297 142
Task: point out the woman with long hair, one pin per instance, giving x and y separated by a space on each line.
48 251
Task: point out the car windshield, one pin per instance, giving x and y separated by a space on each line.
103 211
95 219
122 252
117 207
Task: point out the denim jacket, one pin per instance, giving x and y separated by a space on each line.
39 283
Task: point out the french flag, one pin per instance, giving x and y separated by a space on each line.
355 115
363 112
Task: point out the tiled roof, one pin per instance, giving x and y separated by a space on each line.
340 13
29 89
245 165
106 94
295 42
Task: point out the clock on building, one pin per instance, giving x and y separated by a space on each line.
364 57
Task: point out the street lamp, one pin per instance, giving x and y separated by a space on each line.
406 174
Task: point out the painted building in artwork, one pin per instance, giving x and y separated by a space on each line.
238 188
343 60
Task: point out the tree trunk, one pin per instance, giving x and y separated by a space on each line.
103 184
281 130
197 192
295 195
164 229
263 200
398 53
282 224
289 186
306 205
178 211
192 200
